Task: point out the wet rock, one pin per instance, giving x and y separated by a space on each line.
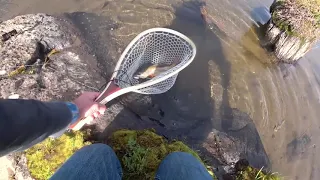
236 120
241 165
239 140
223 147
229 149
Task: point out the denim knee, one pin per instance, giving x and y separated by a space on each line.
96 161
181 166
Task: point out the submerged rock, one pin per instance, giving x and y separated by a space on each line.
239 140
298 147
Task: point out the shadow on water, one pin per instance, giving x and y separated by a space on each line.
90 27
186 112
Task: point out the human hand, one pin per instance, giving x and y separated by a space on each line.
88 108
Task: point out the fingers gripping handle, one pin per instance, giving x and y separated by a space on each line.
110 89
79 125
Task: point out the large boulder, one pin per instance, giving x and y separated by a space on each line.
67 73
293 28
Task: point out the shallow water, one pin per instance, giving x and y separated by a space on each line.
282 101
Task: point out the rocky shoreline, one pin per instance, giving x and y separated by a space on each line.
84 62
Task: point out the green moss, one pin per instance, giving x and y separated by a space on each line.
46 157
135 159
179 146
141 152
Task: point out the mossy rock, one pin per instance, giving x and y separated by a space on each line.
299 18
46 157
141 152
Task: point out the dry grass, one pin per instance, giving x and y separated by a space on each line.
312 5
298 17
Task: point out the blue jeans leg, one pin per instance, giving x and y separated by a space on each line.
96 161
182 166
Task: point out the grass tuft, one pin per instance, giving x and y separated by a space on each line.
245 172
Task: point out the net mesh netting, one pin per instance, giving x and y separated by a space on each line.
156 47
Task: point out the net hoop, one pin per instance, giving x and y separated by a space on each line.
106 96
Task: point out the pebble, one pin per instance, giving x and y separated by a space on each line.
14 96
3 72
